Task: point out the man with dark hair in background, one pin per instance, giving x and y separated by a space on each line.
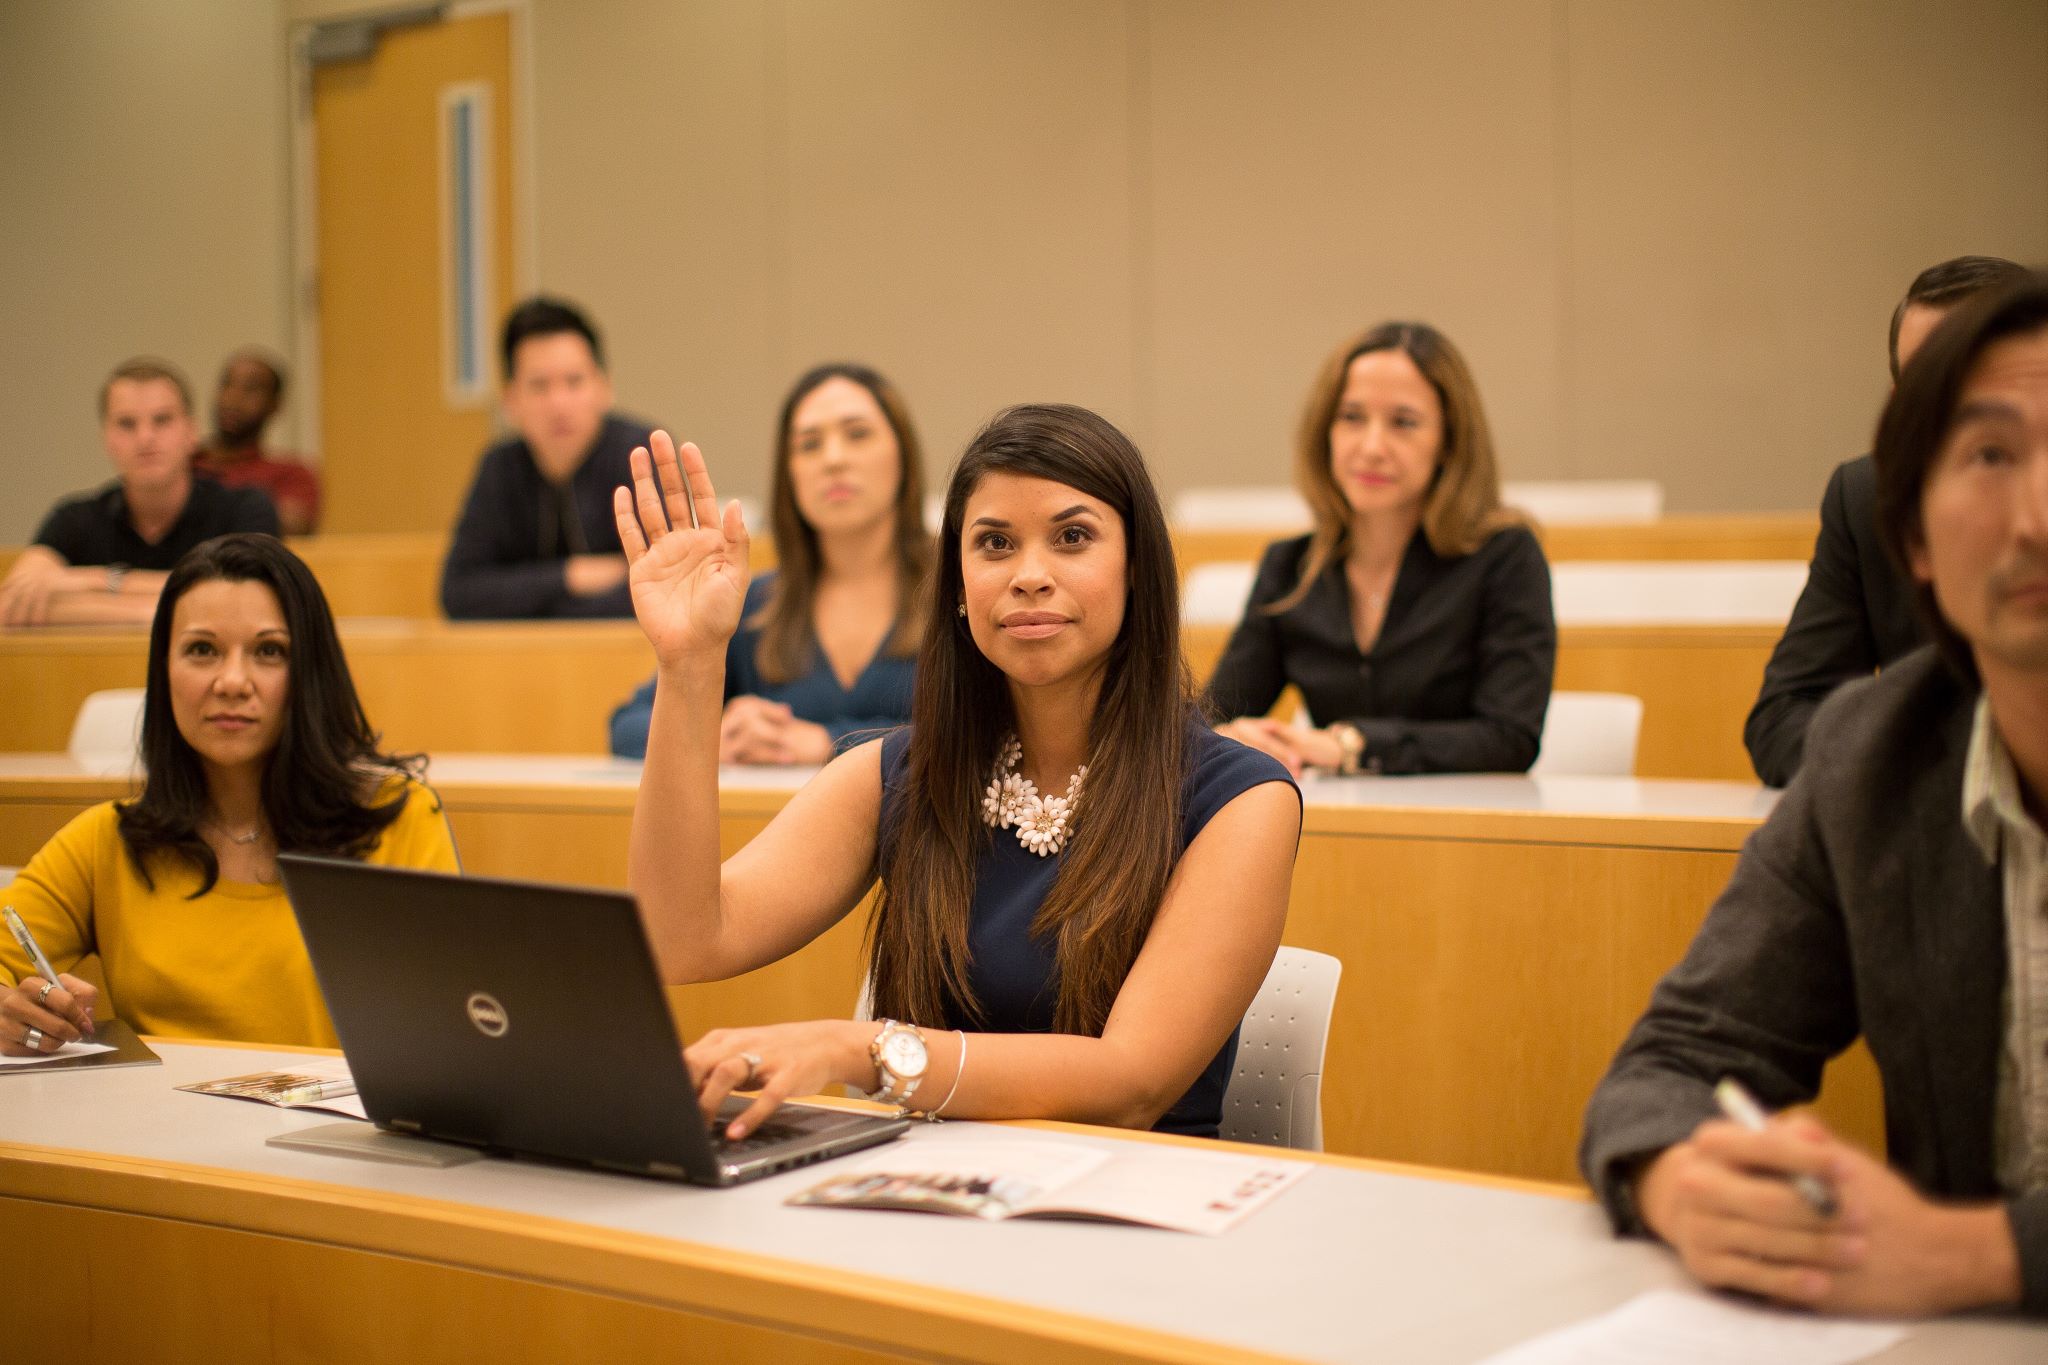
1855 615
104 556
536 536
251 389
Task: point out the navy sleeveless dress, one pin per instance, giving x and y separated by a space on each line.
1014 975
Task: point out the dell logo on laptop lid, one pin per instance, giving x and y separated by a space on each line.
488 1015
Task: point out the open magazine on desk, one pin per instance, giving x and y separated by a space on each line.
1153 1186
322 1084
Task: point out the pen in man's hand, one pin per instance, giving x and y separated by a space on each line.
1738 1104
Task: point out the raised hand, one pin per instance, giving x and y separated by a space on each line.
688 574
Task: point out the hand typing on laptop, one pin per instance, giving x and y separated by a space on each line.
778 1062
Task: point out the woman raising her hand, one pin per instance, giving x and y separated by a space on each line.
1033 955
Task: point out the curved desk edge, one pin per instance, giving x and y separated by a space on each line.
818 1301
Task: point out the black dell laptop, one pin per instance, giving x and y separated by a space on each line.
528 1020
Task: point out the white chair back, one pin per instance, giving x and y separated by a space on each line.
1586 502
107 733
8 874
1216 593
1590 734
1676 592
1269 507
934 512
1275 1095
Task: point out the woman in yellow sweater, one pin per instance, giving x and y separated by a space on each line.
255 744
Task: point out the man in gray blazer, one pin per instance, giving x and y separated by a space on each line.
1898 892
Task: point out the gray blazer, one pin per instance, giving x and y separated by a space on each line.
1860 907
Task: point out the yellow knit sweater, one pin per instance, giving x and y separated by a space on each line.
229 964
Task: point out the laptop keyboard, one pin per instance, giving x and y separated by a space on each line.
767 1135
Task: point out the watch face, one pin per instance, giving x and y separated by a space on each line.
904 1054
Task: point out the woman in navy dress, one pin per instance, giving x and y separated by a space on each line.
825 648
1081 886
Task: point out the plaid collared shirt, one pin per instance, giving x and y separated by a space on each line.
1998 823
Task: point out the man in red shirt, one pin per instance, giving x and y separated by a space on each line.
251 387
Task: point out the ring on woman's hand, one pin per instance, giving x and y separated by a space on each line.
44 993
753 1061
33 1040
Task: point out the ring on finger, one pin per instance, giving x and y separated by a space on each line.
33 1040
753 1061
44 993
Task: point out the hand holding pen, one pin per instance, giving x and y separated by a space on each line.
1740 1106
46 1009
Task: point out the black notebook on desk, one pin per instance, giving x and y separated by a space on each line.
128 1050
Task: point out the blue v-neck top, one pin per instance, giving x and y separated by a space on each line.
878 700
1014 975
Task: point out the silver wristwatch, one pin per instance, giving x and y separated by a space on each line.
900 1061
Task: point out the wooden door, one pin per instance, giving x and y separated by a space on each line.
413 202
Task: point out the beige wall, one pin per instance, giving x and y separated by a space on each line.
1668 236
143 160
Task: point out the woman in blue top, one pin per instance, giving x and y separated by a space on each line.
1081 885
825 645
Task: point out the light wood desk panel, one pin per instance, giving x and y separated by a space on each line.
394 573
550 687
399 573
545 687
1697 684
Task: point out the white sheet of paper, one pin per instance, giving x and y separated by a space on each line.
68 1050
1671 1327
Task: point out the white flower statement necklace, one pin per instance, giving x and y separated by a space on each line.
1042 822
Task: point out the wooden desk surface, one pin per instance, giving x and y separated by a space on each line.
551 686
1763 535
427 685
1499 934
518 1262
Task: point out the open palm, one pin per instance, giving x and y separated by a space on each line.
687 565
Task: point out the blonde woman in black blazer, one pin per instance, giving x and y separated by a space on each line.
1416 618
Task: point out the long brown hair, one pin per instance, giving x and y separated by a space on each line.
1462 508
1113 871
788 636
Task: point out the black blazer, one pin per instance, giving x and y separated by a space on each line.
1860 907
1457 681
1854 616
516 529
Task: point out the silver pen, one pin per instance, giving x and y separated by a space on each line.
35 953
1741 1106
311 1092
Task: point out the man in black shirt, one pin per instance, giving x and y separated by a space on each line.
1855 614
104 556
536 536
